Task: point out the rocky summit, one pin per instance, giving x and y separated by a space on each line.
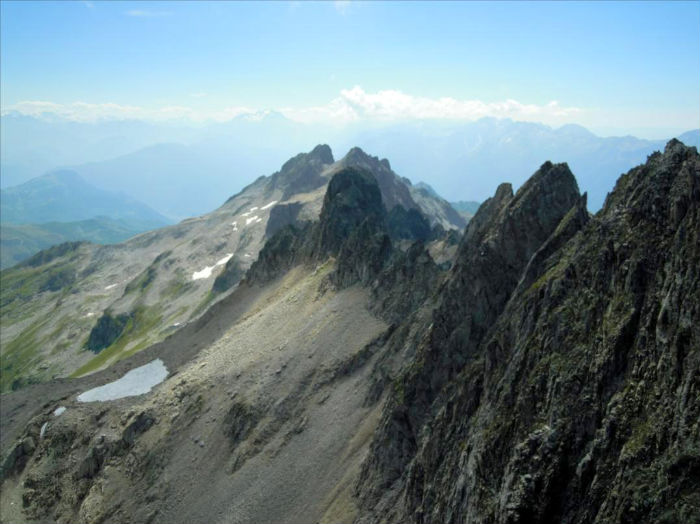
369 361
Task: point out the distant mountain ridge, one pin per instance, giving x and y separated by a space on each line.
164 166
64 196
19 241
466 161
59 207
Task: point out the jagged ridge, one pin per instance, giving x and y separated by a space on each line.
577 399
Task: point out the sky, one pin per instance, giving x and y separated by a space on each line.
616 68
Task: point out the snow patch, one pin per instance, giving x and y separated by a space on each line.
111 286
254 208
268 206
138 381
43 429
206 272
224 260
59 411
246 214
90 314
251 219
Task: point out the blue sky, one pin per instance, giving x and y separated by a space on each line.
614 67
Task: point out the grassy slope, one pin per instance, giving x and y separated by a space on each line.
20 241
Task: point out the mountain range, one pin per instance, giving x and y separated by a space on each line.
324 347
166 277
60 206
163 166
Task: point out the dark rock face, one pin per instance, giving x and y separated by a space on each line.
282 215
352 198
394 191
406 282
353 228
285 249
559 381
408 224
107 329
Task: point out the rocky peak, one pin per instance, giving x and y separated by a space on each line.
394 190
488 211
659 191
356 156
571 398
534 212
322 153
499 242
352 198
302 173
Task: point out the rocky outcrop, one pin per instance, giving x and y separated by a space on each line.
440 210
107 329
282 215
549 375
406 282
302 173
285 249
352 199
354 229
559 379
393 189
408 224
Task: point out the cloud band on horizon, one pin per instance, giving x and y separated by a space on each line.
352 105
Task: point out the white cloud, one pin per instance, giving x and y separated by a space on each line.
145 13
352 105
387 105
89 112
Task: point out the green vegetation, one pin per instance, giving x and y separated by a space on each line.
17 358
52 253
24 282
202 305
142 281
141 326
176 287
553 272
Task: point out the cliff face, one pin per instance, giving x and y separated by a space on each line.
559 380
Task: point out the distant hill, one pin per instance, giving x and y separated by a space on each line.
20 241
466 208
63 196
59 207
